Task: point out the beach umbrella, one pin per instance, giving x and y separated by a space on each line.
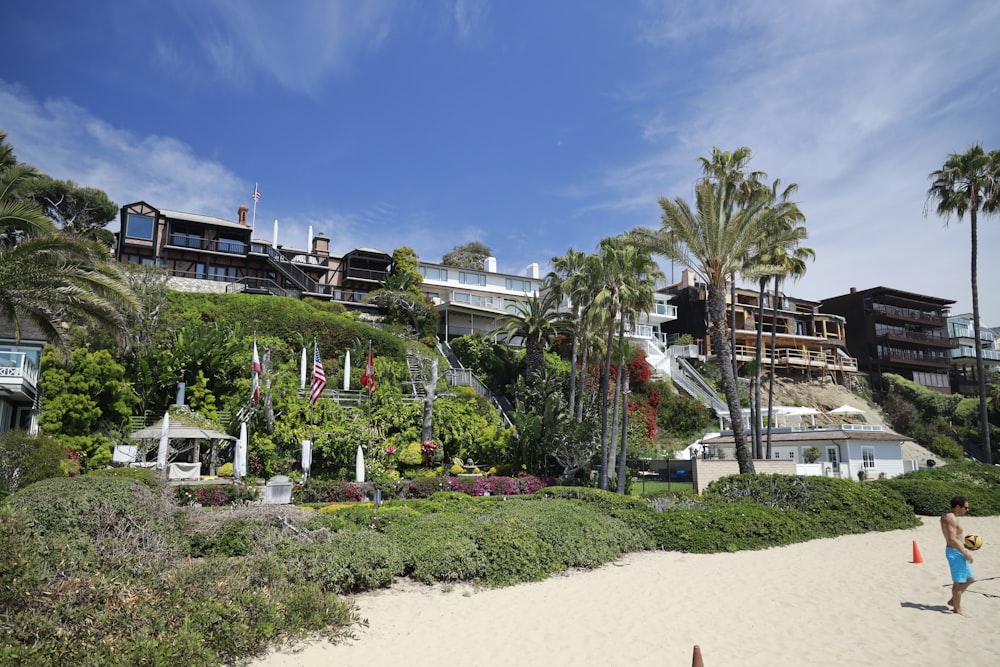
307 457
347 370
845 410
240 454
161 452
359 466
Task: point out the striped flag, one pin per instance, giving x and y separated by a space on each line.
256 194
368 377
318 377
255 373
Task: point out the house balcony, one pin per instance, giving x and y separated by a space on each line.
885 312
18 376
661 312
797 357
912 358
929 339
968 353
220 246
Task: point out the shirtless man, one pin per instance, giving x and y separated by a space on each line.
958 556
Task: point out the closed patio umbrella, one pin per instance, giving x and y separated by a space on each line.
161 452
359 466
307 457
240 454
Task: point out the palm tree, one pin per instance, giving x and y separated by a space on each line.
535 321
969 183
52 279
713 240
568 280
627 274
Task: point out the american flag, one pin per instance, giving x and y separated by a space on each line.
256 194
318 378
255 373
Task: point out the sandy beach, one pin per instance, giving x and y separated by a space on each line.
852 600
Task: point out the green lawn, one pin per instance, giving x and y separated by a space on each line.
658 488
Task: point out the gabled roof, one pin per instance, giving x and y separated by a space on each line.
184 425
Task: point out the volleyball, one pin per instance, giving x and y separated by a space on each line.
973 542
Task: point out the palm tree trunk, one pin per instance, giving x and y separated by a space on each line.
618 388
605 375
732 326
573 366
720 339
583 381
757 419
622 462
984 419
774 337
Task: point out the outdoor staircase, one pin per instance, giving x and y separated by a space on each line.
417 378
459 376
687 379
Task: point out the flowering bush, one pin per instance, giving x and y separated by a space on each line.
480 486
215 495
323 491
428 449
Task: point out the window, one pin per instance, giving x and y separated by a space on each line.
234 246
868 457
430 273
471 278
185 239
139 227
517 285
139 259
221 273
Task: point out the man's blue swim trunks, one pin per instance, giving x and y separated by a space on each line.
961 571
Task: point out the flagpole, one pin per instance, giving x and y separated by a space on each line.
256 196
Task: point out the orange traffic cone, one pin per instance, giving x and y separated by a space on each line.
696 658
917 558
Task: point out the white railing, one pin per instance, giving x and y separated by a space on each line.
17 365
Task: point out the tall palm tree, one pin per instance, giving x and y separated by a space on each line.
626 276
535 321
568 280
50 278
969 183
713 240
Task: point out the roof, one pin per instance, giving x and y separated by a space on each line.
817 435
898 293
202 219
184 425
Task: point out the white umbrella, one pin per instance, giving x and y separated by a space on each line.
161 452
845 410
359 466
347 371
240 454
307 457
302 373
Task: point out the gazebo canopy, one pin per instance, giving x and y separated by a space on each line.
845 410
184 425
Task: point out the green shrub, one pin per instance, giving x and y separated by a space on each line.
99 522
143 475
352 562
21 567
327 491
510 553
731 526
234 538
946 447
226 470
26 459
930 491
438 547
837 506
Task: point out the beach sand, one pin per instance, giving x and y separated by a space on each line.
852 600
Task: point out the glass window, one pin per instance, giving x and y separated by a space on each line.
139 227
235 246
868 456
431 273
517 285
185 239
471 278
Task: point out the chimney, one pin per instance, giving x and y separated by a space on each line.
320 245
687 278
490 264
241 214
533 270
854 290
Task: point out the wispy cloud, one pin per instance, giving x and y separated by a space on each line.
66 141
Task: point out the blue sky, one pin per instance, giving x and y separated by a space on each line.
530 126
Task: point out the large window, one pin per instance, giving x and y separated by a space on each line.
517 285
234 246
431 273
467 278
139 227
186 239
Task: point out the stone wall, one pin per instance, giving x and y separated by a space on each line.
196 285
707 471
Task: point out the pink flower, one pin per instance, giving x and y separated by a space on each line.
390 450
